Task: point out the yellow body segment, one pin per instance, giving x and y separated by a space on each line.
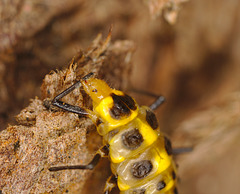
103 109
140 155
118 152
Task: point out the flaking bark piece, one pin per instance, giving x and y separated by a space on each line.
23 19
46 137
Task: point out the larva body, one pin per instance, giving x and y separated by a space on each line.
140 155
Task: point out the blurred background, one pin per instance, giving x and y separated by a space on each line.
188 51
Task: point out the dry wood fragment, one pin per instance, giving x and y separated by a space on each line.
45 138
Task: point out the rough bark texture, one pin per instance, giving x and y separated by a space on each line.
46 136
194 64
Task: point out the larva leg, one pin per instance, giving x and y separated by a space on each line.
159 101
159 98
183 150
65 106
146 93
102 152
110 184
89 166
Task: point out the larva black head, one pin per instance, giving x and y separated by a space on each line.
141 169
122 106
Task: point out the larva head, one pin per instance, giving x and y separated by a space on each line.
113 106
95 88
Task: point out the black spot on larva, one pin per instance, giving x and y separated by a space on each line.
132 139
161 185
128 100
122 106
141 169
139 191
151 119
168 145
175 191
173 175
95 90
